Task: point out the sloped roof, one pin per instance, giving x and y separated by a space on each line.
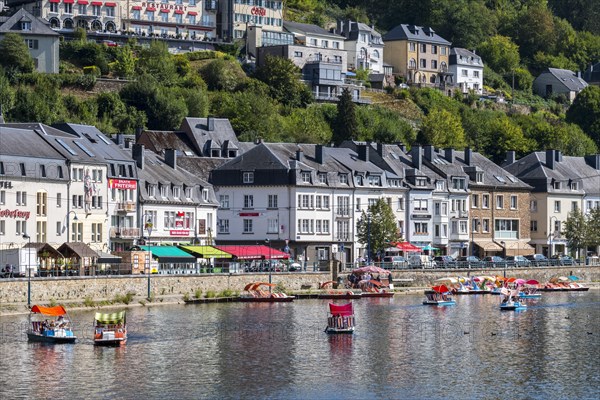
308 29
414 33
38 25
201 166
77 250
467 54
260 157
567 78
197 130
158 141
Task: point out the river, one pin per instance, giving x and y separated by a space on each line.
401 349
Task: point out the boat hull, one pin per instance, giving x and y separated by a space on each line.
267 299
332 331
439 303
34 337
512 307
530 296
110 342
339 296
371 294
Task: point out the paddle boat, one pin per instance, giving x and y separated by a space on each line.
563 284
110 329
253 293
510 301
530 290
340 319
336 294
57 330
438 296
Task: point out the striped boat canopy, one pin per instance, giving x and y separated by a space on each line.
112 318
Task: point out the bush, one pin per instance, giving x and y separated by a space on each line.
125 299
91 70
201 55
89 302
226 293
186 297
210 294
197 293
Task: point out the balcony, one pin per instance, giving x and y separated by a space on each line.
124 233
126 207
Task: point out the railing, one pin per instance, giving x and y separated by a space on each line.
124 233
126 206
329 60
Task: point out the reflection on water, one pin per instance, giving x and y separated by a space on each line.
401 349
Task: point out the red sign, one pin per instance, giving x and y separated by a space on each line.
15 214
258 11
179 232
122 184
249 214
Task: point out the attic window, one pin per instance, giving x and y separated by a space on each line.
479 177
214 153
188 153
421 182
25 25
512 179
500 179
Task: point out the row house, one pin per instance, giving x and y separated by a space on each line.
305 199
363 44
561 184
467 69
419 55
175 206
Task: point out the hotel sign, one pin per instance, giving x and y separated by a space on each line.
179 232
15 214
259 11
6 185
125 184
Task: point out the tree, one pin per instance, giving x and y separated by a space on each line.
15 53
377 227
593 228
345 127
585 112
222 74
575 231
443 129
283 78
158 62
536 30
306 125
500 54
124 66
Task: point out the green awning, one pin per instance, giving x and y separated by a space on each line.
112 318
206 252
169 254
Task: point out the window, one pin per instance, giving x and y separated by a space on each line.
454 227
506 228
83 9
359 180
374 180
458 183
2 197
475 74
343 204
434 64
223 225
423 63
464 73
150 15
556 185
96 10
475 223
437 230
247 225
412 46
423 48
485 226
557 206
322 178
272 225
443 51
248 201
272 201
533 226
479 177
305 176
169 219
53 7
68 8
421 228
485 201
513 202
178 18
324 43
176 192
76 232
573 186
462 225
420 205
42 204
97 233
164 191
326 202
164 17
499 202
574 206
248 177
58 228
40 234
205 194
412 64
475 201
400 203
344 179
224 200
297 54
151 190
188 193
313 42
191 19
421 182
437 208
444 208
21 198
110 11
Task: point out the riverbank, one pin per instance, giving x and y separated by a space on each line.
130 291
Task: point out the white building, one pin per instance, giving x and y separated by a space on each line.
467 68
363 44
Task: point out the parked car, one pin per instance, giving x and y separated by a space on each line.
395 262
469 261
538 259
421 261
517 261
445 261
494 261
562 260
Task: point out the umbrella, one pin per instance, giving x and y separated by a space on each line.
429 247
406 246
371 269
451 280
573 278
509 280
440 289
532 282
520 281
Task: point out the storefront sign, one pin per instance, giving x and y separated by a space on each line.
164 6
6 185
261 12
15 214
179 232
249 214
125 184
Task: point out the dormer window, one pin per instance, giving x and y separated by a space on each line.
344 179
151 190
458 183
25 25
573 185
322 178
359 180
374 180
176 192
479 177
421 182
188 193
440 185
163 191
205 194
248 177
305 176
556 185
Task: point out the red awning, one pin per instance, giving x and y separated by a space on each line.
68 1
164 10
136 7
178 12
83 2
406 246
341 309
54 1
110 4
253 252
52 311
96 3
192 13
150 9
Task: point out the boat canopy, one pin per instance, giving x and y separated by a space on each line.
440 289
256 285
341 309
55 311
112 318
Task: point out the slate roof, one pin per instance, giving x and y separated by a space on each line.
38 25
568 78
200 166
414 33
202 139
159 141
470 58
356 28
308 29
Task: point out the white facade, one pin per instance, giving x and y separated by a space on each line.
467 68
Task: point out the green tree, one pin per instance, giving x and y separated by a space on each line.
500 54
575 231
306 125
377 227
222 74
382 125
158 62
7 94
345 127
124 66
443 129
523 79
15 54
506 135
593 228
585 112
283 78
536 30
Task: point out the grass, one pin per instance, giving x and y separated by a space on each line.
197 293
226 293
89 302
186 297
210 294
125 299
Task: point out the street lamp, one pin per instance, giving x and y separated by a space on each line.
26 236
67 224
551 235
267 242
368 238
503 243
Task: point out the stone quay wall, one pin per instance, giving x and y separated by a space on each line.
98 288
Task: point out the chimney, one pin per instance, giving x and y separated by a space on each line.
381 150
510 157
258 140
550 159
449 154
363 152
593 161
127 144
468 154
557 156
138 133
210 123
171 158
579 74
415 153
137 153
299 155
429 152
319 153
121 139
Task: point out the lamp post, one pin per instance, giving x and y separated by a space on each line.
368 238
67 227
503 243
26 236
551 235
267 243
